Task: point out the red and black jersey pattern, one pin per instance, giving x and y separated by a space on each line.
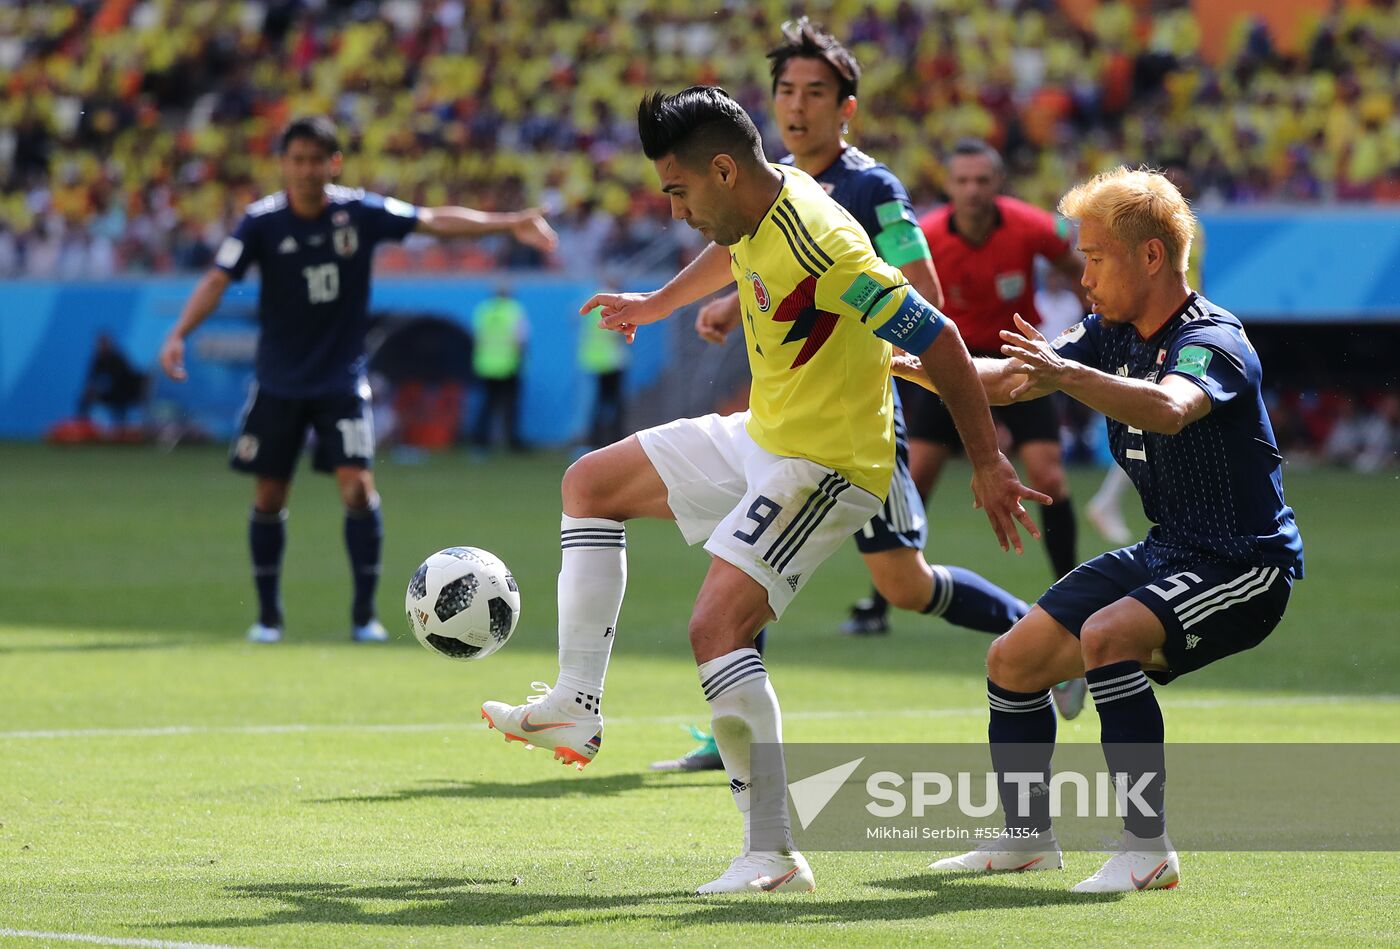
809 324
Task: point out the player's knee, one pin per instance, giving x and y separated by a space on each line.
269 497
357 490
584 489
1049 478
1100 641
1002 664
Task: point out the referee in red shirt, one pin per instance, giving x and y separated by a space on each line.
984 245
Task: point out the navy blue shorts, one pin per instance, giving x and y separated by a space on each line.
274 430
901 522
1209 610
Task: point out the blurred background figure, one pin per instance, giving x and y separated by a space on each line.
1365 439
500 331
111 382
602 355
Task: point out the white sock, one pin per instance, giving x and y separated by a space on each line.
745 710
592 577
1114 483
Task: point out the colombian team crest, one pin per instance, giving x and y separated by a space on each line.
760 292
345 240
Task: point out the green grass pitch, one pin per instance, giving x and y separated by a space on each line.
163 781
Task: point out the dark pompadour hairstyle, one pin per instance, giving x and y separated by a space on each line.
695 125
313 128
975 146
807 41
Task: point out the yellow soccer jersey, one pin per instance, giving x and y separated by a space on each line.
813 293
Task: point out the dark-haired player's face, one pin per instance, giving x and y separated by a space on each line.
808 107
1115 276
307 168
973 184
701 198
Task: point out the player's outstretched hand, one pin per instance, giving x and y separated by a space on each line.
534 231
998 492
624 312
717 319
1036 358
908 366
172 358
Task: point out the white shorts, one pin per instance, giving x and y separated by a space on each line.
775 518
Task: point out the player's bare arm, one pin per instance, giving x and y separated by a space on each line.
999 377
995 486
718 318
203 301
923 277
1164 407
528 226
624 312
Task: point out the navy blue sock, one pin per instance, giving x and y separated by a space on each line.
1021 732
1130 727
267 538
761 640
1060 529
364 535
970 600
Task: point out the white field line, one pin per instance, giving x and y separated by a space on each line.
163 731
109 940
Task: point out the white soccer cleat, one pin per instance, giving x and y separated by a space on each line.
1107 519
541 721
760 871
1011 855
1138 865
260 633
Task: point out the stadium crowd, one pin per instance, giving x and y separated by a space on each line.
132 134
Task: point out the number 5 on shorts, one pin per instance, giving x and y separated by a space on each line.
762 511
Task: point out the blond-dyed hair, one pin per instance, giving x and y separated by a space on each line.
1134 206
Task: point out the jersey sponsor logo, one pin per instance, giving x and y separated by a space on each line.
1193 361
793 581
760 292
862 293
345 240
1191 640
230 252
1010 286
288 245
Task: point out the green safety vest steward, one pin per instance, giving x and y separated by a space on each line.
496 338
600 350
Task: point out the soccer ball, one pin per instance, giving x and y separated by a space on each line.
463 603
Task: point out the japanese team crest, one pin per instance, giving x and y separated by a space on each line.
345 240
760 292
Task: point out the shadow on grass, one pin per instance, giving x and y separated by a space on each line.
51 646
565 787
480 901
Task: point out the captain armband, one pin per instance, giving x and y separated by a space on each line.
914 326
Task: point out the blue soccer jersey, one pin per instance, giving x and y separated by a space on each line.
315 276
1214 491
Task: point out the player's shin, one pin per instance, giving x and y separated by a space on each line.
971 601
364 537
1021 731
1132 733
745 712
592 578
267 539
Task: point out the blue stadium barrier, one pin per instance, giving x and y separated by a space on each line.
48 330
